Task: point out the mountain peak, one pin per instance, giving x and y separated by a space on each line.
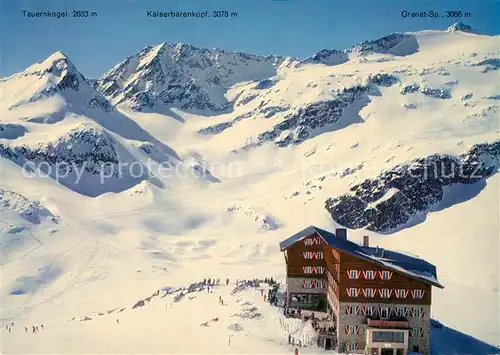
57 64
462 27
182 75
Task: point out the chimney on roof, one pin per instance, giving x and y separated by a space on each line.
341 233
366 241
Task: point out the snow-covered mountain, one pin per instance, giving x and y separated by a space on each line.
56 122
184 163
57 77
183 76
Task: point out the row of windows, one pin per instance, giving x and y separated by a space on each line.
369 274
388 337
385 312
401 293
313 255
352 329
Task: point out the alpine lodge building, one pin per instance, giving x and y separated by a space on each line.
379 301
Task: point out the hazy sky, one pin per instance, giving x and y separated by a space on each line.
296 28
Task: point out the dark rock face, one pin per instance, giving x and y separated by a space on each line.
395 196
216 128
86 146
489 64
328 57
460 26
266 111
183 76
383 79
32 211
387 44
438 93
301 124
265 84
99 101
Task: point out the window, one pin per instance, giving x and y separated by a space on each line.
377 336
401 293
358 310
352 291
369 292
312 284
384 312
416 349
419 312
370 310
385 292
385 275
417 294
349 309
313 255
399 337
369 274
352 329
417 332
352 346
387 337
313 270
353 274
309 242
308 301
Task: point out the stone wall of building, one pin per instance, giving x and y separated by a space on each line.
418 318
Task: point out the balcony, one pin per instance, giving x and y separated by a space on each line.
393 323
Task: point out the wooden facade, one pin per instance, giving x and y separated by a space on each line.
305 259
351 278
356 288
356 273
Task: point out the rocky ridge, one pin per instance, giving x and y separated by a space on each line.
393 198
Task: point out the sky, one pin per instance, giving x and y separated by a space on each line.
297 28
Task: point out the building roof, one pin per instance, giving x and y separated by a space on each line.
412 266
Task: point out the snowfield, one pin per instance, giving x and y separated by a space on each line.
208 170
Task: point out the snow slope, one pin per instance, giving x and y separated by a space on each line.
290 136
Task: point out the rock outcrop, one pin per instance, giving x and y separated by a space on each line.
393 198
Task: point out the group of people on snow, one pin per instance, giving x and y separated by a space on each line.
221 301
34 328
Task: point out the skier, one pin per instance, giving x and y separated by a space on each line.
227 282
26 329
33 329
41 326
296 351
289 338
